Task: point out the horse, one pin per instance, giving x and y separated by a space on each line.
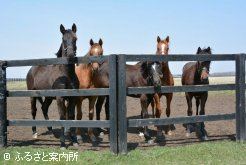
138 75
85 74
162 49
56 77
197 73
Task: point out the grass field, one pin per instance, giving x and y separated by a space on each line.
223 152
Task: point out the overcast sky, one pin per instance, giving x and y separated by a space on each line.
30 29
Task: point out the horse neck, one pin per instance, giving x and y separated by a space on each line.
69 69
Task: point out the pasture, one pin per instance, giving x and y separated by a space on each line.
219 153
218 103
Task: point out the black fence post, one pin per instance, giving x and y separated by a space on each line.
3 105
240 98
122 115
113 104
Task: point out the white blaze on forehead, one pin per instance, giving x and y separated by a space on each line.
162 48
154 66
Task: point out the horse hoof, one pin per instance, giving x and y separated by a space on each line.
79 138
187 134
50 129
159 134
76 144
169 133
151 141
35 135
101 134
93 139
204 138
141 134
62 148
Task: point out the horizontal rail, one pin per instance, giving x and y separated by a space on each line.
181 57
56 61
60 123
179 120
59 92
185 88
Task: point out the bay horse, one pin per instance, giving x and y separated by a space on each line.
138 75
197 73
57 77
162 49
85 74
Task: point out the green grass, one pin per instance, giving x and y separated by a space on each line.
223 152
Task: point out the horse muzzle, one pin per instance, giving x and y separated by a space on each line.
95 66
204 76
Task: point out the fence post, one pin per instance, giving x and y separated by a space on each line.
240 98
113 104
3 105
122 115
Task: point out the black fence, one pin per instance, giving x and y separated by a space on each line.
118 91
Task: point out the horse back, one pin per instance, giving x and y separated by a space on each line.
50 77
188 75
134 76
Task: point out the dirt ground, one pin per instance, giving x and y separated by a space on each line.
19 108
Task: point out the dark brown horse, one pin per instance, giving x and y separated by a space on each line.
162 49
85 74
143 74
196 73
57 77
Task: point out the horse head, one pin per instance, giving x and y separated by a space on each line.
152 71
162 46
96 50
203 66
68 46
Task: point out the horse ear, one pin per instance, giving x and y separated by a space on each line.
198 50
158 39
100 42
91 42
74 28
62 29
167 39
209 49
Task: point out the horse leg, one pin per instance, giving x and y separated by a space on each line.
107 108
34 111
62 112
71 116
45 107
144 112
153 104
79 117
169 97
92 100
189 112
157 98
202 112
99 104
197 105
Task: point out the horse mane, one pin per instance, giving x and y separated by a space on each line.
59 53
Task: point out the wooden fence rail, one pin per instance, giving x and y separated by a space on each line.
118 91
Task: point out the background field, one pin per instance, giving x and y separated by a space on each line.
21 85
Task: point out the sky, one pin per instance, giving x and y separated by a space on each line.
30 29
